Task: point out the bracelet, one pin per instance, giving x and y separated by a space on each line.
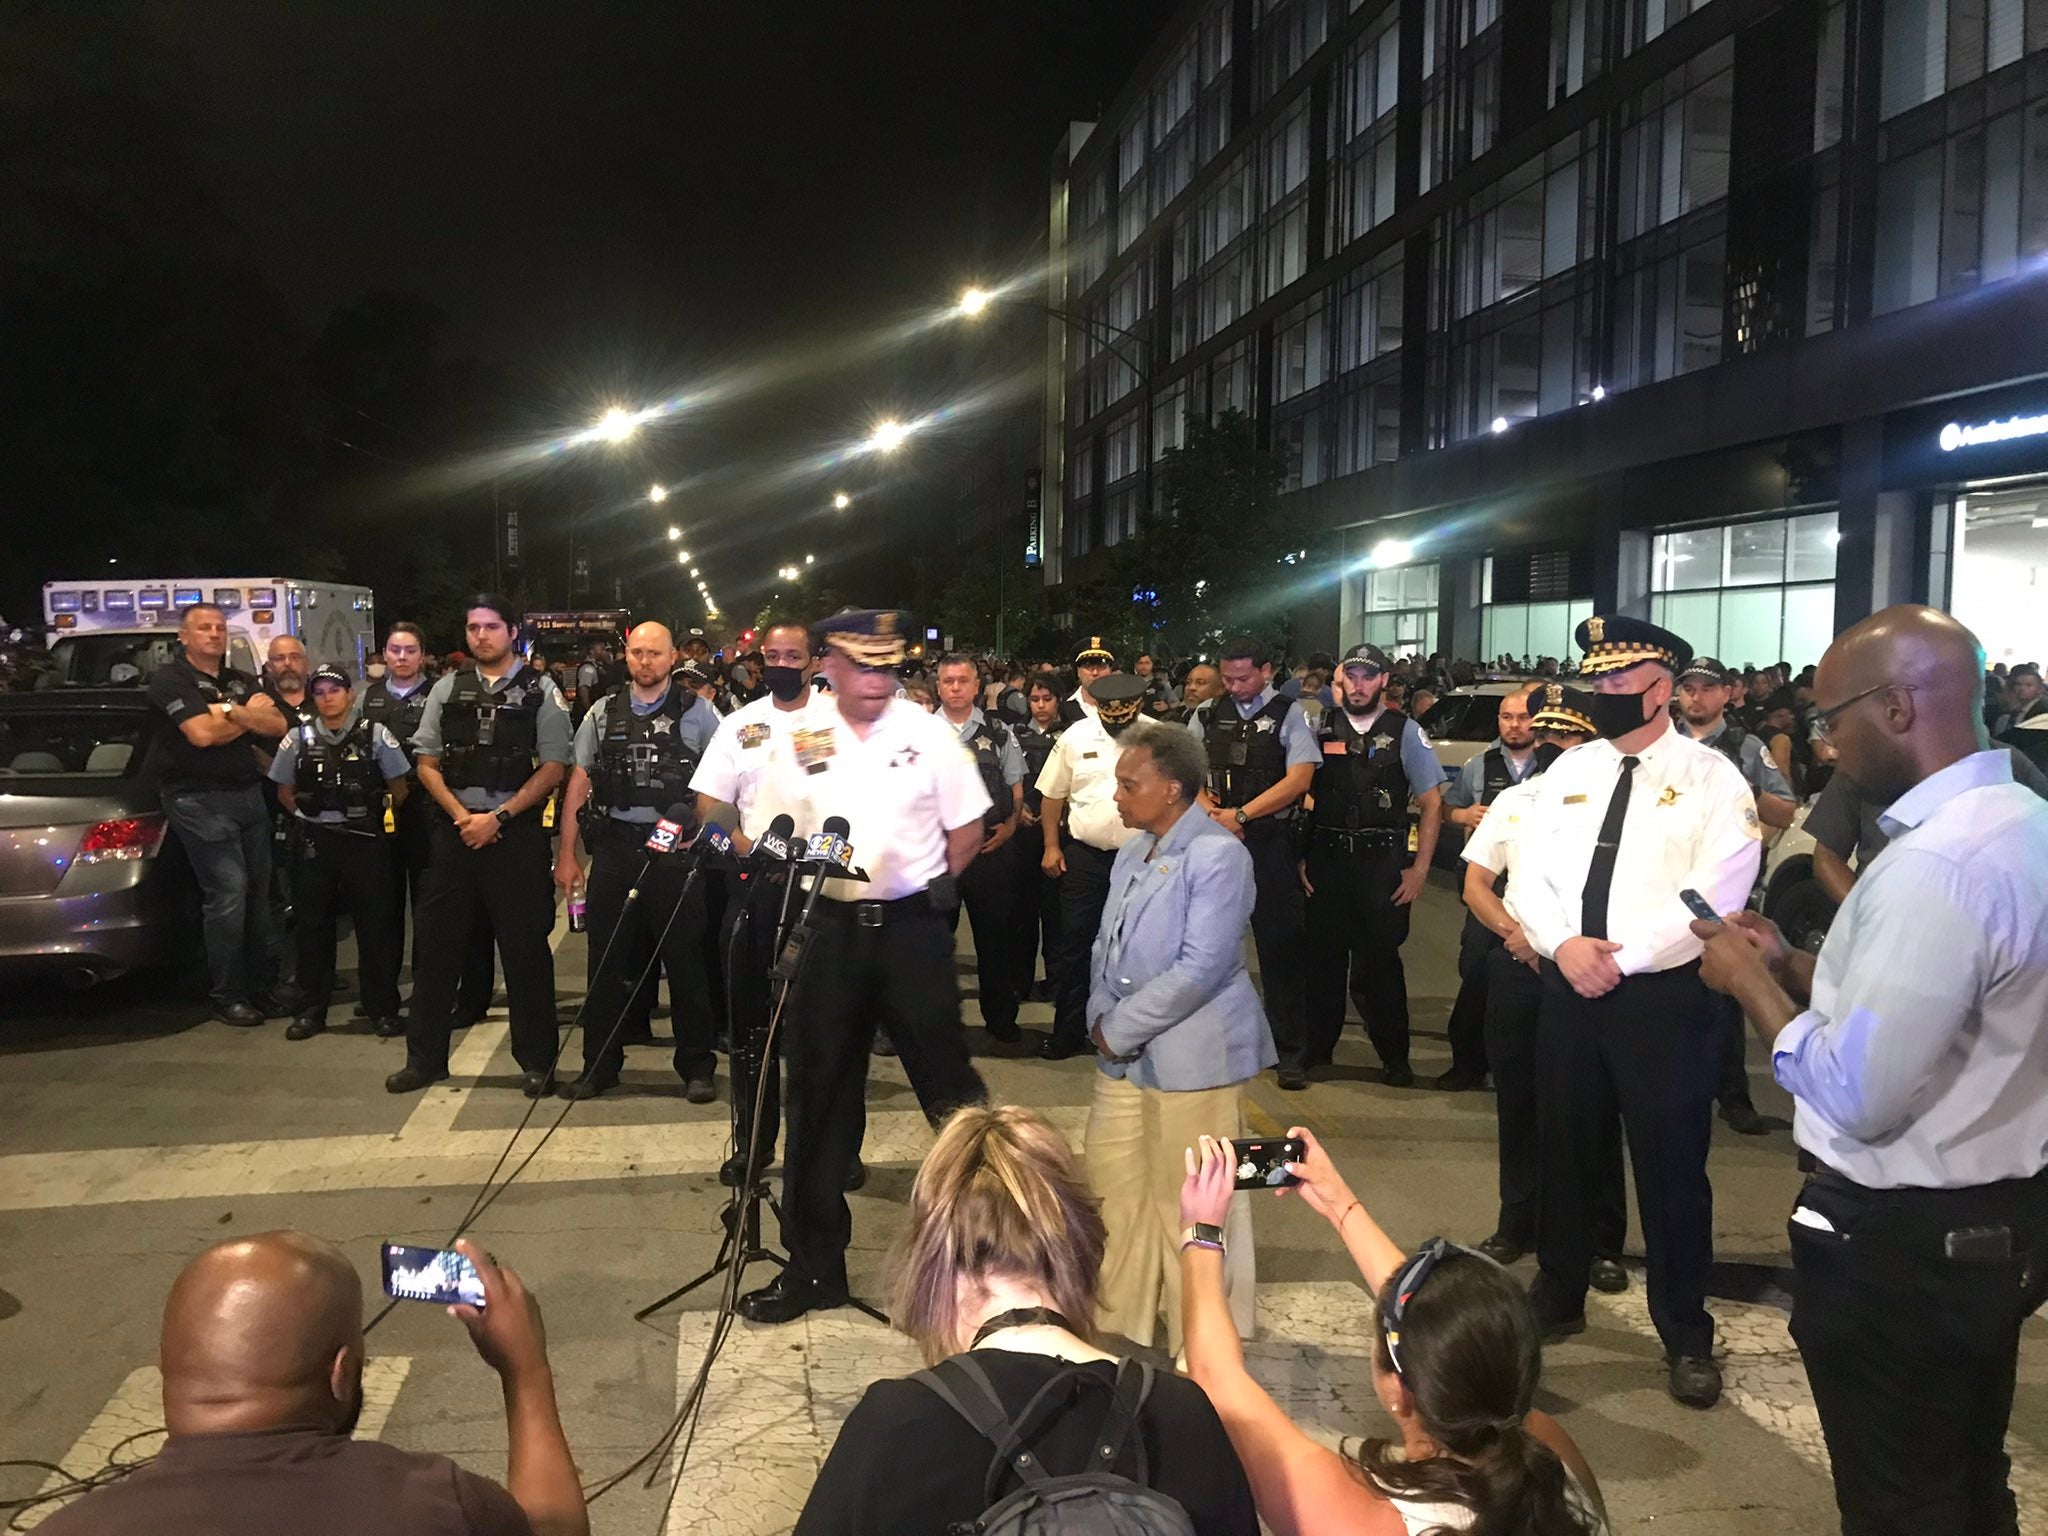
1353 1206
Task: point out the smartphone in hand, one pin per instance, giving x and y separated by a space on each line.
1262 1161
438 1275
1699 906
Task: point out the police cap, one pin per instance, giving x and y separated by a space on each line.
1370 657
1615 643
868 637
695 673
328 672
1094 654
1558 707
1117 696
1708 668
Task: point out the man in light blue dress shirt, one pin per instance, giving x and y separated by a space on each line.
1918 1066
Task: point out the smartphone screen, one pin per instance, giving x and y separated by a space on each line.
1699 906
439 1275
1261 1162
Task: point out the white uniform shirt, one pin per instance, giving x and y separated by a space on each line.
1081 697
1691 823
736 763
1493 843
1082 772
901 790
1921 1060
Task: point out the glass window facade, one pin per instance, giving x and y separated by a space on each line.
1752 592
1395 609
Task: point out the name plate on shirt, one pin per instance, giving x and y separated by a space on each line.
1574 799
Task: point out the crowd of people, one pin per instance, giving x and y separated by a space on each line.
1135 831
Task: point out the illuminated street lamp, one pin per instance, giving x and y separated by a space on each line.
973 302
842 501
888 436
618 424
810 559
675 534
682 557
693 570
657 494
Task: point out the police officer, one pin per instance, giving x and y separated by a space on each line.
493 744
878 949
1080 831
332 774
730 785
1618 829
284 684
1262 756
1357 869
988 886
1704 690
1514 997
635 755
1512 757
395 701
1037 903
1091 663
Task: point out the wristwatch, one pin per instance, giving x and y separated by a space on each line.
1241 817
227 707
1204 1234
504 816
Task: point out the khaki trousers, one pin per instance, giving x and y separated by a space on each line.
1137 1138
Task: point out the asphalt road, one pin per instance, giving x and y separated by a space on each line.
136 1133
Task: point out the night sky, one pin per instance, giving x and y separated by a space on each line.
619 200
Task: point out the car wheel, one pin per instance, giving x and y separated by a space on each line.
1803 913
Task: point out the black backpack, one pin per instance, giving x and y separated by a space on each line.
1098 1501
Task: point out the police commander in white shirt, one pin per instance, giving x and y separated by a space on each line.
1916 1048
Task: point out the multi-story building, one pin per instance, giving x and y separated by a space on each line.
1729 314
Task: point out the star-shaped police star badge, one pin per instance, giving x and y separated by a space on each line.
664 726
1381 742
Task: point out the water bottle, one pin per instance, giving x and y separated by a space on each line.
576 918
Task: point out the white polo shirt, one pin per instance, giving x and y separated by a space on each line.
901 789
737 759
1493 843
1082 772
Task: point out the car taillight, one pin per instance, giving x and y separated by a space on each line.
131 837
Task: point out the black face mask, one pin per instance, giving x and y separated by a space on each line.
784 682
1117 728
1614 715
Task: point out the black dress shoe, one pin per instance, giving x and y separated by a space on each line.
1005 1034
1743 1120
788 1297
1458 1079
856 1176
1608 1275
305 1027
1556 1328
1292 1079
701 1087
1695 1380
884 1046
464 1020
411 1080
1402 1076
241 1015
730 1170
585 1087
536 1085
1056 1049
390 1029
1502 1250
1041 992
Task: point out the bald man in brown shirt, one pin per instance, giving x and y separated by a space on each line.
262 1356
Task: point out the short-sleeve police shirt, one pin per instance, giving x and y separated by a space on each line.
181 692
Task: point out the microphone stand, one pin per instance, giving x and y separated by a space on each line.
742 1244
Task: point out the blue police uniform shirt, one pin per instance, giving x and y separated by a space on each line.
1297 739
697 725
1757 765
1009 755
384 748
552 741
1418 757
1468 784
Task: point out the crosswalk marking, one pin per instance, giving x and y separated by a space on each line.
132 1423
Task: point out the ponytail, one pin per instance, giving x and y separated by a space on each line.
1514 1485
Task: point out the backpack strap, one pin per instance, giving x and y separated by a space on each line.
964 1384
1134 1381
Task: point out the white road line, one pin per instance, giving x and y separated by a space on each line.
137 1409
35 1181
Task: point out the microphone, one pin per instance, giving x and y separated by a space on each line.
772 846
833 835
671 831
715 839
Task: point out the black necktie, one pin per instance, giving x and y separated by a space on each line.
1600 877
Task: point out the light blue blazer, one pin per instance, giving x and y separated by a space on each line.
1167 980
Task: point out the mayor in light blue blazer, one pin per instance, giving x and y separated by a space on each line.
1177 1027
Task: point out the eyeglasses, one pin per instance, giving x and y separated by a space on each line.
1824 721
1407 1281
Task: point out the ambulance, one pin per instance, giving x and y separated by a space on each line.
114 632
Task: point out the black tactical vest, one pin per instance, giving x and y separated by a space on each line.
642 760
340 776
1037 748
488 740
401 717
1729 745
1360 781
1499 776
1246 757
987 746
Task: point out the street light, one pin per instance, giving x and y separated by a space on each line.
888 436
693 570
618 424
675 534
842 501
810 559
973 302
682 557
657 494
